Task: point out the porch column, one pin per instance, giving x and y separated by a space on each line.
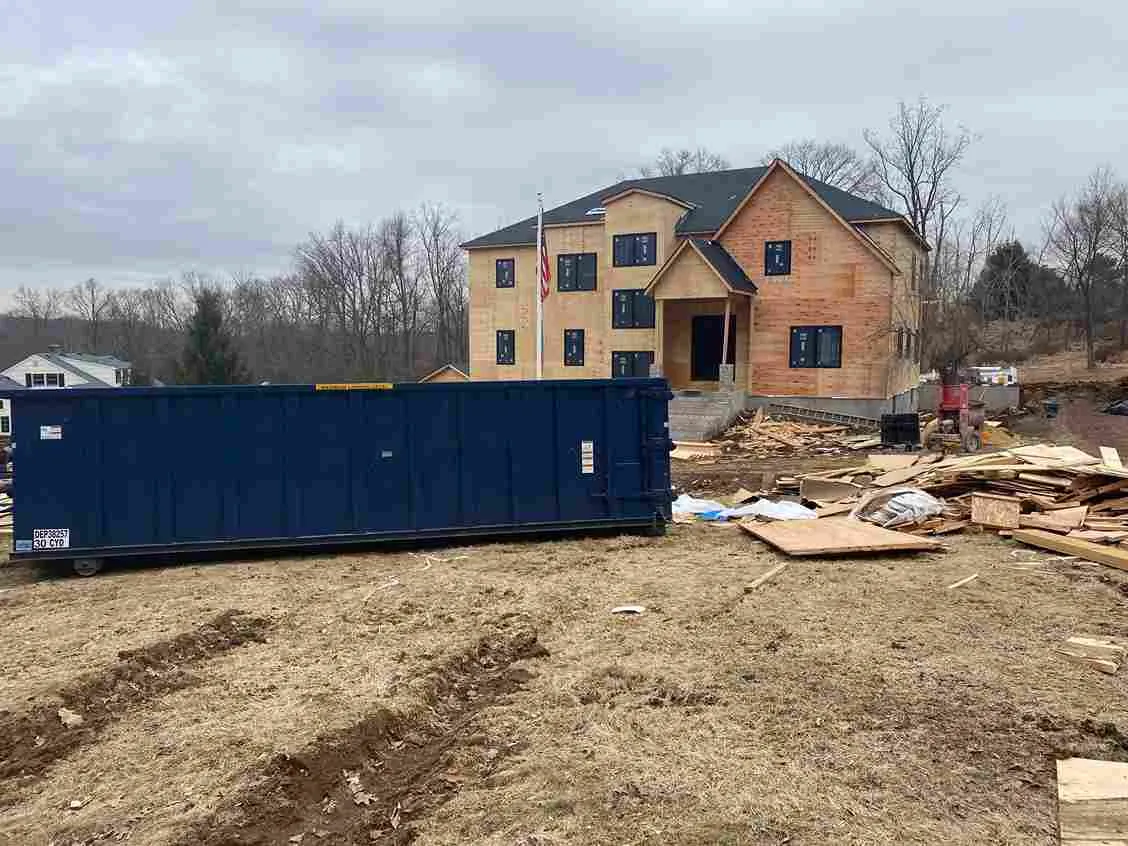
726 372
657 368
725 333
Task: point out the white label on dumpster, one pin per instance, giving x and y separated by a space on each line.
50 539
587 457
50 433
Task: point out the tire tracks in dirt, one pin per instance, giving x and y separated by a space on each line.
33 740
374 781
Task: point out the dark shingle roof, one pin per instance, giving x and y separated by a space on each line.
725 265
714 196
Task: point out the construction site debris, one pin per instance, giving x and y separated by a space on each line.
1092 801
898 507
765 434
629 610
759 580
834 536
1102 653
965 580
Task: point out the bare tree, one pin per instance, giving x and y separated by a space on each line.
398 262
676 162
90 302
839 165
38 305
1119 248
444 273
915 162
1078 232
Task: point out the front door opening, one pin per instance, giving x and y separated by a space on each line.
705 358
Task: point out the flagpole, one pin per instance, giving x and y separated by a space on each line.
540 288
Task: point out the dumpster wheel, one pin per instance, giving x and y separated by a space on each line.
87 566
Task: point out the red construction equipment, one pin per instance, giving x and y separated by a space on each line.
958 423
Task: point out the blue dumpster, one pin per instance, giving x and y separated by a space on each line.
104 473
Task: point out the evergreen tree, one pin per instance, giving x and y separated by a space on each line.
209 356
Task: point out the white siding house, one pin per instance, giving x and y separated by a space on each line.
61 370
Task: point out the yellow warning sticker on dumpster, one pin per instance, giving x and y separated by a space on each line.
354 386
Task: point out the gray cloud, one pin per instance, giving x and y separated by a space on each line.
141 140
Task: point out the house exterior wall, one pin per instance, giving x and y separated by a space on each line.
37 364
835 280
5 418
493 308
904 367
101 372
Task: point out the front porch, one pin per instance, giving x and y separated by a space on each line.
703 317
703 308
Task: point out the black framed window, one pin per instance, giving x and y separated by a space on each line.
505 272
635 250
816 346
631 363
574 347
506 346
631 308
777 258
5 425
575 272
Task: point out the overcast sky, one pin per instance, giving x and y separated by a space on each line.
139 140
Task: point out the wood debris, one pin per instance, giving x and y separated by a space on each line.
834 536
1101 653
1092 802
763 434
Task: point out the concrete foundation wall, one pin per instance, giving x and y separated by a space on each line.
858 406
995 397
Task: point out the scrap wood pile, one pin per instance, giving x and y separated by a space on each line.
1057 498
764 434
5 513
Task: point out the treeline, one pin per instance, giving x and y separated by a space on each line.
384 302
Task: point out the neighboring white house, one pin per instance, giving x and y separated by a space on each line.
58 369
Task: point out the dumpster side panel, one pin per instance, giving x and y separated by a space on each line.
129 471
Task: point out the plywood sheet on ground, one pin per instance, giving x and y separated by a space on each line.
834 536
1092 802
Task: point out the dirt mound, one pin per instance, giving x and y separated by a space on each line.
372 781
32 741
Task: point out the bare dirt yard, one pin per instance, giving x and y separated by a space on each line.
486 694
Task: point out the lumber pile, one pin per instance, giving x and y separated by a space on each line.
761 434
1041 487
5 514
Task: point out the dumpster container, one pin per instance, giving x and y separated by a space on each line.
106 473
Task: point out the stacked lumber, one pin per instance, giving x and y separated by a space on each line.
5 513
762 434
1056 498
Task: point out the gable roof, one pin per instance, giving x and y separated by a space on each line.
717 258
712 198
72 363
446 368
850 226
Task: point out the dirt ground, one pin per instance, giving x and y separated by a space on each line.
486 694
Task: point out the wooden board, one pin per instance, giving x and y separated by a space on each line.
1112 556
826 490
1111 458
1046 479
1092 802
885 463
836 508
834 536
998 512
1060 454
898 477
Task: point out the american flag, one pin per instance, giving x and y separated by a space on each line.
544 272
